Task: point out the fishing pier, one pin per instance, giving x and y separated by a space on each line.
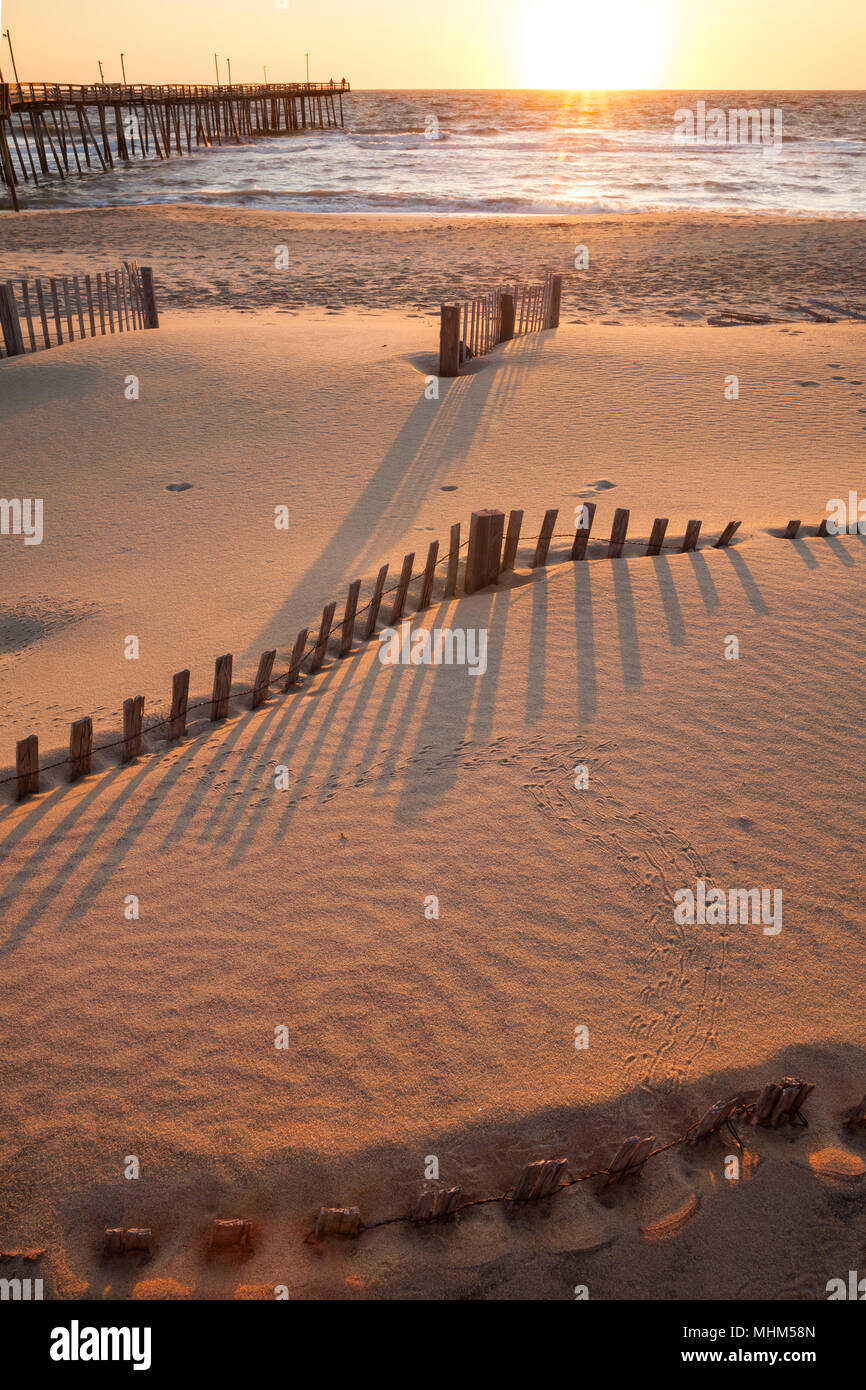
51 130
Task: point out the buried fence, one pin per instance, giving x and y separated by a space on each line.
40 314
776 1105
491 553
474 327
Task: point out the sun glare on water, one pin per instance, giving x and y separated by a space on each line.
589 44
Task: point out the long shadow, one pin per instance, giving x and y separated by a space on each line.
746 578
587 675
706 583
626 622
670 601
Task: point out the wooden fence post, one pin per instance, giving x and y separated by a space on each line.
555 301
512 540
657 535
690 540
402 589
27 765
506 331
453 561
581 535
618 533
429 576
297 658
375 603
179 701
133 714
544 535
485 549
790 532
148 295
449 340
347 629
263 678
9 322
222 684
80 748
324 633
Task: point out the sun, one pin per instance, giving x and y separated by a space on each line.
581 45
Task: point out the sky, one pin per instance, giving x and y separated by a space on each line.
573 44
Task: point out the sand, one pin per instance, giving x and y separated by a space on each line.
412 1037
643 267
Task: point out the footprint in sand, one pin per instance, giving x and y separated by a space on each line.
177 487
837 1166
806 383
673 1222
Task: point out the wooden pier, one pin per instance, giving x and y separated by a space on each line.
51 130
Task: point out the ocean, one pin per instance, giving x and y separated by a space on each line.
489 152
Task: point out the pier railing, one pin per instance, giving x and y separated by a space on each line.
38 314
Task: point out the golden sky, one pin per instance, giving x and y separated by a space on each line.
693 44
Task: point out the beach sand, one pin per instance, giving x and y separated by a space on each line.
412 1037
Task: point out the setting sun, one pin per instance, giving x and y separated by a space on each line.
575 45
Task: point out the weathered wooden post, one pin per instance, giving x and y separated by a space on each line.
657 535
9 322
263 678
555 301
27 765
347 631
179 701
790 532
375 604
148 294
80 748
506 331
222 684
544 538
618 533
429 576
297 658
727 535
581 534
512 540
449 340
453 561
133 714
324 633
690 540
396 614
485 549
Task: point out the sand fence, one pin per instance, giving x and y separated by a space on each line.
38 314
474 327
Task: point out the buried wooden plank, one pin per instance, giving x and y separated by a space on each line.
790 531
235 1233
581 535
27 766
727 535
618 533
544 537
179 702
484 555
338 1221
402 589
296 658
321 646
512 540
347 627
263 678
133 716
222 684
80 748
630 1158
453 561
375 604
429 576
690 540
435 1204
540 1179
657 535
